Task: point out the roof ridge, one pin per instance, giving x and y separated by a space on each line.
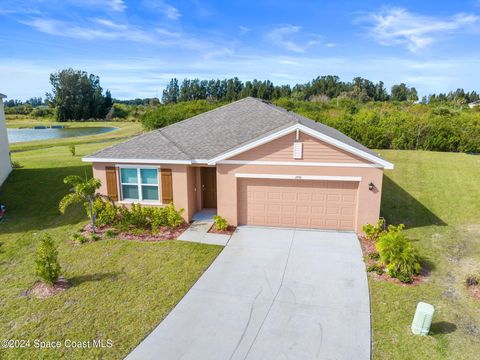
182 150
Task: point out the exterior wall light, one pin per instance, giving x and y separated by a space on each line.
371 186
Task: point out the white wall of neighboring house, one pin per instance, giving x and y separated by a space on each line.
5 165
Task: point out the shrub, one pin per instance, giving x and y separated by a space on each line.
472 280
96 237
220 223
158 218
173 216
374 256
110 233
42 111
16 165
139 216
106 212
79 238
373 232
398 255
72 149
376 268
47 266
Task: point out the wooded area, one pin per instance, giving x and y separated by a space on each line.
361 109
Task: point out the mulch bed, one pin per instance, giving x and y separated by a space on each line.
165 233
368 247
42 291
230 230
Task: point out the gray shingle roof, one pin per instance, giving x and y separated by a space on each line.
212 133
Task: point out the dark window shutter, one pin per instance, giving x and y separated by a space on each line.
167 189
112 190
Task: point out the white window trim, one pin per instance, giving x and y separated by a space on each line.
299 177
139 185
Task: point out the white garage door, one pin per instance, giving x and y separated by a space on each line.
297 203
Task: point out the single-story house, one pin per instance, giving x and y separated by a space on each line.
5 163
255 163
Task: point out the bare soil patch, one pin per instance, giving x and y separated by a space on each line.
40 290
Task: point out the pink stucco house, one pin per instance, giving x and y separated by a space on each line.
255 163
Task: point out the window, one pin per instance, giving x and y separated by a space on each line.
139 184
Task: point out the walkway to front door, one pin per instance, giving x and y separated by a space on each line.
272 294
198 230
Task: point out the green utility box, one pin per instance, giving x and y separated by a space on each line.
422 319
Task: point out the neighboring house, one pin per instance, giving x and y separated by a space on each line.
5 164
255 163
473 104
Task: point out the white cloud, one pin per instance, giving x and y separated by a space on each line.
289 37
117 5
168 10
397 26
97 29
243 29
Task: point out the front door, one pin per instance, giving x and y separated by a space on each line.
209 187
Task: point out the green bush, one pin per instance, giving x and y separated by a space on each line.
96 237
398 254
220 223
79 238
374 256
110 233
376 268
117 111
146 218
139 216
42 111
16 165
372 232
47 267
173 216
158 218
159 116
106 212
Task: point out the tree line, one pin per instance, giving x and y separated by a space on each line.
321 88
77 95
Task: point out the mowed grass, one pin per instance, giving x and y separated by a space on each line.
437 195
120 289
125 130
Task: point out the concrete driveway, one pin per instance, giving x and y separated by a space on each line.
272 294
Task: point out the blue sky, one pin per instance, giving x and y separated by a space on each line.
137 46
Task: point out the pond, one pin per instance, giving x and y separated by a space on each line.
19 135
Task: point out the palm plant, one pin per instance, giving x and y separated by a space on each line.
83 191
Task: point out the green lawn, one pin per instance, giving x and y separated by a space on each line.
120 289
437 195
126 129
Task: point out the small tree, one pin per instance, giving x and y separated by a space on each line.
72 149
47 267
83 191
